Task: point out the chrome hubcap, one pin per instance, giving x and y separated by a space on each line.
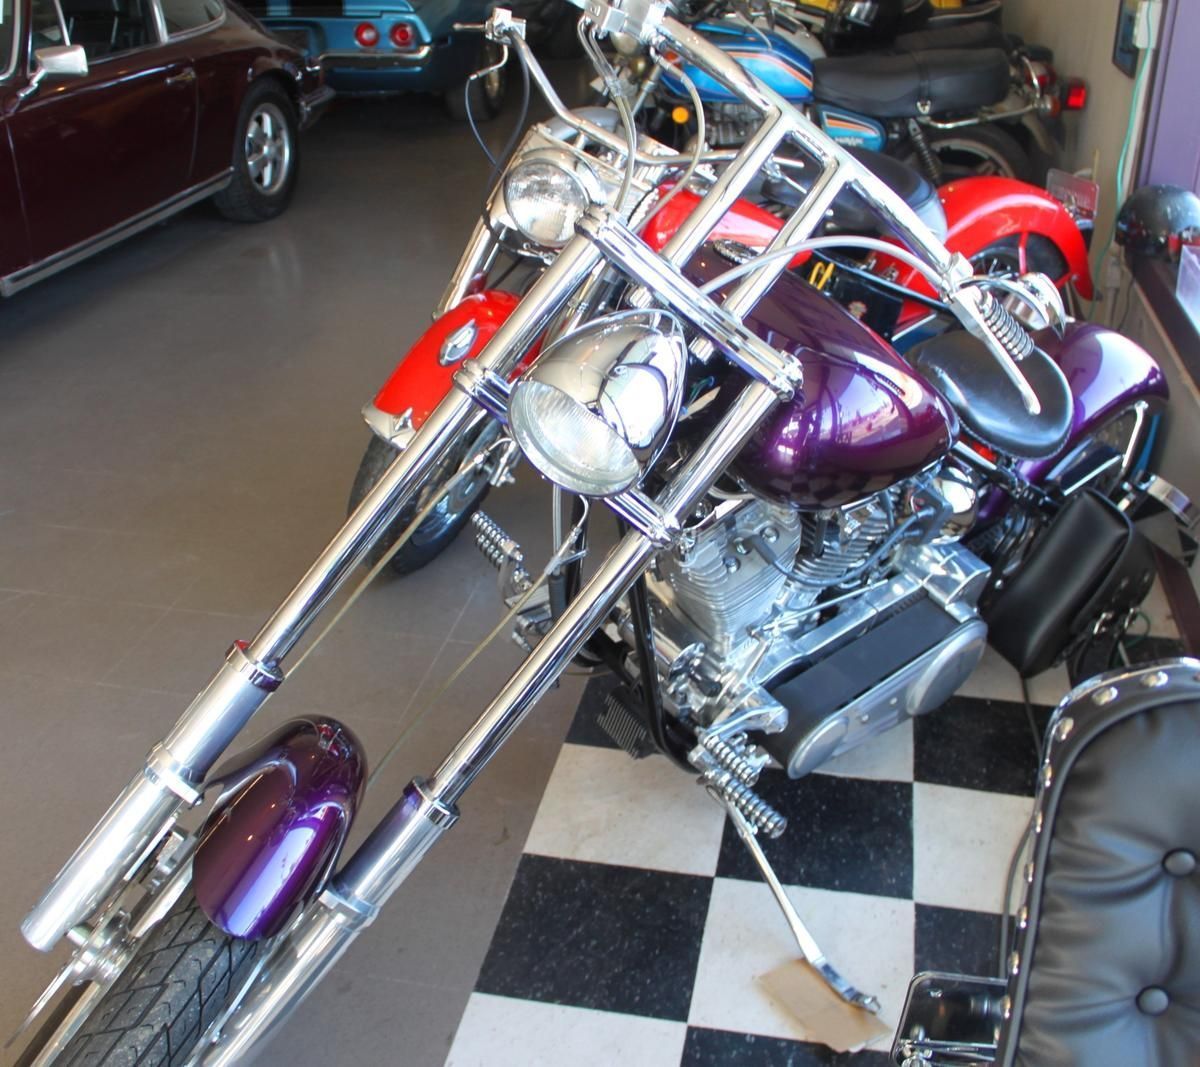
268 149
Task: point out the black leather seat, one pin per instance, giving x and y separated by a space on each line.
963 370
1107 969
894 87
849 213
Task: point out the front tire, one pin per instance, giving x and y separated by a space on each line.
441 526
179 980
266 157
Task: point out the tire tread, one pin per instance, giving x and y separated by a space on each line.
178 981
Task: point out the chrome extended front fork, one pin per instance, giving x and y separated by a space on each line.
302 956
176 767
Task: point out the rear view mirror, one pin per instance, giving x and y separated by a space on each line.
63 61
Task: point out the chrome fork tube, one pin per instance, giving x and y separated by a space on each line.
176 768
428 808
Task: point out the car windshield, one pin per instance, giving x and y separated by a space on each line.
7 25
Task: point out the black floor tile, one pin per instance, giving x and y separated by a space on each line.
716 1048
952 939
584 729
851 834
973 743
598 936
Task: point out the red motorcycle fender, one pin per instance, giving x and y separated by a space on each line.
746 223
425 375
981 211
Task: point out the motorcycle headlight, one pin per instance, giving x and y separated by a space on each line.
546 192
595 410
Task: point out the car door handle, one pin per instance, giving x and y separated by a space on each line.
184 77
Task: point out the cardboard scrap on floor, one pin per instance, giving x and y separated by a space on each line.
825 1017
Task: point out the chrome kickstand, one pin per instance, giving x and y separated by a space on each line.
809 948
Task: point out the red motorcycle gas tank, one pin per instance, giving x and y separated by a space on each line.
864 419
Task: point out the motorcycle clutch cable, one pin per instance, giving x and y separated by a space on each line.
812 244
560 556
587 37
701 132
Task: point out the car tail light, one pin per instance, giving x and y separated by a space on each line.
402 35
366 35
1075 94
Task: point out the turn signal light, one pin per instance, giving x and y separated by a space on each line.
366 35
402 35
1075 96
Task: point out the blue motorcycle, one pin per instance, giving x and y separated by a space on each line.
937 108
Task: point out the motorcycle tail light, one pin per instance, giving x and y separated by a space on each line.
1075 95
366 35
402 35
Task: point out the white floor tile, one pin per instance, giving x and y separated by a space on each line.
888 757
869 938
996 679
1158 611
963 840
503 1032
603 807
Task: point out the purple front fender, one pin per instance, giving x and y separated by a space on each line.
276 831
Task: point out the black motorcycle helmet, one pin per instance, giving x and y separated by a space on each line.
1158 220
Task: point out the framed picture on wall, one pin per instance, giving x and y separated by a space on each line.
1125 55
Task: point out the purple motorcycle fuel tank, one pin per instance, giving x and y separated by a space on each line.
864 419
275 834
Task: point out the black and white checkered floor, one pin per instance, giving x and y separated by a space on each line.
636 925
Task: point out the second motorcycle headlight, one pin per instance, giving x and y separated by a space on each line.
546 192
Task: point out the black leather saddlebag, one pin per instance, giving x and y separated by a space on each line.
1089 567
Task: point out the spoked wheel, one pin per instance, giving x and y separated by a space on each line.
180 979
443 524
978 150
1002 259
266 158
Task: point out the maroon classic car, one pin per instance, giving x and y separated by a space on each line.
118 113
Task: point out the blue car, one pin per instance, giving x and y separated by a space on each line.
375 47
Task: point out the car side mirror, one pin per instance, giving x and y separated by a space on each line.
63 61
57 61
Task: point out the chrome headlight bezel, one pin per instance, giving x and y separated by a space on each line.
579 188
595 410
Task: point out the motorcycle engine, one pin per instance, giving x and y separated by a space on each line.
815 630
725 588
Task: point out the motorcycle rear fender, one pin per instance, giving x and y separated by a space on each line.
1107 374
275 833
981 211
426 373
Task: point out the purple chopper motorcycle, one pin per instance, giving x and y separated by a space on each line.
816 539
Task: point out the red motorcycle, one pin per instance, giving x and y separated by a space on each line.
1002 226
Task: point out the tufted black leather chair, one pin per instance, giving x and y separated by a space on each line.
1105 967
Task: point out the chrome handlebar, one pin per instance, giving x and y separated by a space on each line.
649 23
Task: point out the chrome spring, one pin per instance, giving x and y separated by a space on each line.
731 758
496 546
756 811
1010 333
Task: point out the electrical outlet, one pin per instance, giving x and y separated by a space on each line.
1146 24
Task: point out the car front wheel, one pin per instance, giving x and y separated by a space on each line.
266 157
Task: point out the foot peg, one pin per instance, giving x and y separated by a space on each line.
809 948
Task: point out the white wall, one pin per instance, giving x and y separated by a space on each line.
1081 33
